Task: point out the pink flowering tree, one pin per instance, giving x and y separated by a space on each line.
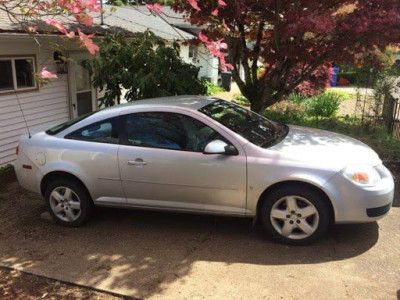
281 46
28 13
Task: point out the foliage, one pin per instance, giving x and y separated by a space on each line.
145 67
350 75
293 39
343 95
6 169
28 14
325 105
163 2
385 76
297 107
212 88
286 112
374 67
240 99
296 98
118 2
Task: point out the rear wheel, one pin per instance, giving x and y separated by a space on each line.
68 202
295 215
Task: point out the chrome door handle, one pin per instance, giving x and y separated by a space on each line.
137 162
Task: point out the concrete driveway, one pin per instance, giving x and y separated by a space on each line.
171 256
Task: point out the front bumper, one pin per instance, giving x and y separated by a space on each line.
356 204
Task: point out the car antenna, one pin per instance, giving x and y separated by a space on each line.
23 116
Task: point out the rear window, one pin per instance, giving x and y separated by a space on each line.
65 125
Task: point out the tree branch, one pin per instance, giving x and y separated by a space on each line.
257 50
245 53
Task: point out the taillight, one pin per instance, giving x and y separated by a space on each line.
17 150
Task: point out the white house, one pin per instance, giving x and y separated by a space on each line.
24 103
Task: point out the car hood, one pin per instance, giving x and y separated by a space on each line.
329 148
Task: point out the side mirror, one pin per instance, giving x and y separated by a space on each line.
220 147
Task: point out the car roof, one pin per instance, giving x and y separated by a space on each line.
185 102
188 102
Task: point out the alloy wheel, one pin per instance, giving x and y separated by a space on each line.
294 217
65 204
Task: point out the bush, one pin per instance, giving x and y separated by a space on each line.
242 100
324 105
144 66
343 95
286 112
297 98
213 88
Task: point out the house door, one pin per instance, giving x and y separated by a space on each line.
83 95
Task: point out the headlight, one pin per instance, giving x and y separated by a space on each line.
362 175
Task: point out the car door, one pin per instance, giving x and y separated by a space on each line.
94 149
163 167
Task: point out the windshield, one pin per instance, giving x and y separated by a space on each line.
58 128
251 126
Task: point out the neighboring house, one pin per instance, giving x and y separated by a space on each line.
23 102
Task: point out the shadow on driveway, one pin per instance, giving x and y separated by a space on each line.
142 253
139 252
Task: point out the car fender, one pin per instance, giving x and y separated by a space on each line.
255 193
67 167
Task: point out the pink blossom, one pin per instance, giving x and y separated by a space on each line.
215 48
87 41
194 4
31 29
202 37
47 74
91 5
221 3
156 7
229 66
85 19
56 24
215 12
70 34
225 26
60 27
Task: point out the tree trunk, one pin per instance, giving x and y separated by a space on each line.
256 102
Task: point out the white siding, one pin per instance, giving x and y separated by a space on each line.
207 63
43 108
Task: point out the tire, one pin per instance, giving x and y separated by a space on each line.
62 198
295 215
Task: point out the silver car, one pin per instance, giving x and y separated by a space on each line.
205 155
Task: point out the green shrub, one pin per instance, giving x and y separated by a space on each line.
324 105
286 112
242 100
297 98
212 88
145 66
343 95
6 168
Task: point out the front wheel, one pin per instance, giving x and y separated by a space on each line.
295 215
68 202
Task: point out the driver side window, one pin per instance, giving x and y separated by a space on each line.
168 131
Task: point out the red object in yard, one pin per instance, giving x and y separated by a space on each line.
343 82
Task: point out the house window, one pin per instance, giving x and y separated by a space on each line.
17 73
192 52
